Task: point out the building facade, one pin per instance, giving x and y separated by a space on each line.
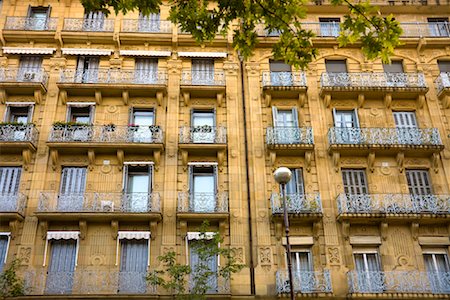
120 135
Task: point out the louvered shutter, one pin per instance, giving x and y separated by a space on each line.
73 180
295 116
418 182
355 182
10 180
405 119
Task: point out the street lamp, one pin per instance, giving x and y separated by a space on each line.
282 176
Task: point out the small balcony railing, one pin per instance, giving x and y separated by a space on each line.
215 283
84 281
106 134
95 25
18 133
31 75
99 202
398 282
12 202
384 136
294 79
114 76
442 82
203 135
304 282
393 204
432 29
203 202
373 80
297 203
146 26
34 24
289 135
211 78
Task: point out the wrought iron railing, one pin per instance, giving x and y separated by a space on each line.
430 29
99 25
284 79
146 25
216 284
384 136
13 202
387 2
23 75
18 133
304 282
85 281
203 77
398 282
26 23
203 202
113 76
393 204
296 203
107 134
442 82
289 135
203 135
99 202
373 80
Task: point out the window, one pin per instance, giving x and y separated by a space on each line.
87 69
280 73
4 246
93 21
149 23
9 188
203 126
137 186
200 264
296 185
202 71
20 115
29 69
444 66
439 27
61 268
141 120
346 125
396 66
72 188
330 26
146 70
203 188
134 248
407 129
80 113
285 123
418 182
369 276
336 66
38 18
301 260
355 182
437 265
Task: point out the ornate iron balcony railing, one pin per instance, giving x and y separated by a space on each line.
18 133
114 76
13 202
99 25
23 75
430 29
304 282
203 202
215 78
99 202
107 134
85 281
25 23
297 203
442 82
216 284
146 25
284 79
393 204
384 136
373 80
398 282
289 135
203 135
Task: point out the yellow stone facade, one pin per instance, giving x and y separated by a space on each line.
328 224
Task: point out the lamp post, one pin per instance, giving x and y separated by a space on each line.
282 176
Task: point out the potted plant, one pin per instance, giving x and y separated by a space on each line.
110 127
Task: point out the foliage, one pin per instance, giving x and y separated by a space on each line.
10 284
68 124
177 275
204 19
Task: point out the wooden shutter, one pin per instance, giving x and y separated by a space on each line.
336 66
73 180
405 119
300 182
418 182
295 116
275 116
9 180
355 182
396 66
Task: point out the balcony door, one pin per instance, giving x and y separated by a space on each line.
9 188
82 117
286 125
202 72
296 185
137 187
355 188
438 268
394 74
203 188
439 27
72 189
302 267
133 266
146 70
203 126
369 276
444 68
61 266
38 18
407 129
29 69
149 23
330 26
200 264
346 125
280 73
142 119
421 191
20 115
87 69
93 21
4 245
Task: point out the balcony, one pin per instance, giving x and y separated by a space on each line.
23 81
12 206
25 29
298 205
99 206
18 137
284 85
85 281
426 30
385 140
411 282
80 30
193 206
442 84
203 84
134 29
305 282
113 82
